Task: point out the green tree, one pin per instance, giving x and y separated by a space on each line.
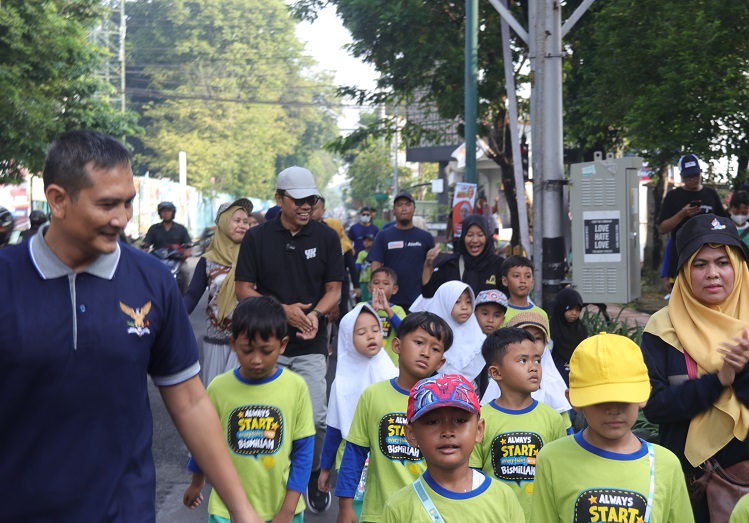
47 82
418 49
225 81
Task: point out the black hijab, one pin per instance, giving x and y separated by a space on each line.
487 257
476 266
566 335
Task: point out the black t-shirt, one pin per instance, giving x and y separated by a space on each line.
676 200
159 237
294 269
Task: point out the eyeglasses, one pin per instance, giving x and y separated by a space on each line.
310 200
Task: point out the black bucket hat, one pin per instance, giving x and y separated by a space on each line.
703 229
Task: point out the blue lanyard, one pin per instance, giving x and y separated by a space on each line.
427 502
651 493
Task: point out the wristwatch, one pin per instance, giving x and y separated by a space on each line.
320 315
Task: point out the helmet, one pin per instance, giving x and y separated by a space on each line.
6 222
37 218
166 205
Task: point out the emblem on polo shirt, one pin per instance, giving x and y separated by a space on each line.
310 253
140 324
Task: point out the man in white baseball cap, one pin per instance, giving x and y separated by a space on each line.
299 261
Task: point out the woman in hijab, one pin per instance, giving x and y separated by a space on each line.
475 263
567 331
696 349
215 271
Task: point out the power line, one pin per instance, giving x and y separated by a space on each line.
154 93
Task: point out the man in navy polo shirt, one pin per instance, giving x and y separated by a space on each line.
83 320
403 248
299 261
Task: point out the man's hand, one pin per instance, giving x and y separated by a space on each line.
310 333
297 318
690 210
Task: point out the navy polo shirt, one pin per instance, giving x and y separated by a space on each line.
294 269
75 351
404 251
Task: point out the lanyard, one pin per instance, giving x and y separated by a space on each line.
651 493
427 502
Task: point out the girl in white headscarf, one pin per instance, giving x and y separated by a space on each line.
361 362
453 302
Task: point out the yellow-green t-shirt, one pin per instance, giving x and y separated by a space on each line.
261 421
378 424
512 440
490 502
576 481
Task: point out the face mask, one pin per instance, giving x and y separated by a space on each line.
739 219
365 219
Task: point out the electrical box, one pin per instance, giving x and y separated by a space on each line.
604 203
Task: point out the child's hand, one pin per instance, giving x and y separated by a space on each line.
378 297
346 515
283 518
193 497
323 481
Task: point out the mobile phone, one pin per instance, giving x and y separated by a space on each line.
695 203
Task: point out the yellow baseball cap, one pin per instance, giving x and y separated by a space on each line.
608 368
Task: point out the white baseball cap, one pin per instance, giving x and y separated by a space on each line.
298 182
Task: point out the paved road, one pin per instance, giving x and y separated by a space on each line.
170 455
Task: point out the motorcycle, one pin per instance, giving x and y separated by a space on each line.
173 256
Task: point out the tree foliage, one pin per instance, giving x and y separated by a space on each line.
226 81
47 81
661 77
418 49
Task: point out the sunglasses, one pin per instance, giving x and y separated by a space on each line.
310 200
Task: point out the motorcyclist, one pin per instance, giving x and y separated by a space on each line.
6 226
169 234
37 218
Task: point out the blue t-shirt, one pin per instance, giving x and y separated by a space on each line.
357 232
75 352
403 251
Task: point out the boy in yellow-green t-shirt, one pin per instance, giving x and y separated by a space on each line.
517 276
266 413
380 418
517 426
382 285
444 422
606 473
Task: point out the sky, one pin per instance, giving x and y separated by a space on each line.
325 39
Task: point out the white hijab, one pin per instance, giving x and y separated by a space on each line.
464 357
354 372
550 391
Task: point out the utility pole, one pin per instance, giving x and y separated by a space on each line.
545 51
471 80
